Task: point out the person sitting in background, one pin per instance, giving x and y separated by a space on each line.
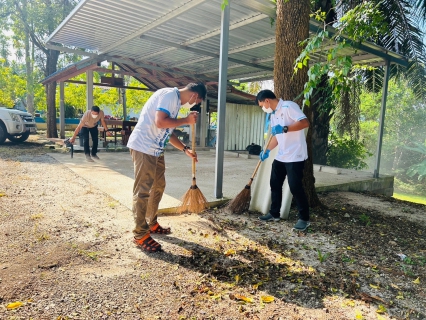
89 123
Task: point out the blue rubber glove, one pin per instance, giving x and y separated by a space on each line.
277 130
264 155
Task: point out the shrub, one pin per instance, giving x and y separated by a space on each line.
346 153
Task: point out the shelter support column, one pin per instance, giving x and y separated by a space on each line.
62 109
221 104
89 89
203 126
382 119
123 96
198 128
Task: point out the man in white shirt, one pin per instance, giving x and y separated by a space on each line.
146 143
287 127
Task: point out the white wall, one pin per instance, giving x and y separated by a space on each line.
244 125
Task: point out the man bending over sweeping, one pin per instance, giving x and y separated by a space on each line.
146 143
287 124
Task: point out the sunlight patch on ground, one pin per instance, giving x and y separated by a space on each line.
410 197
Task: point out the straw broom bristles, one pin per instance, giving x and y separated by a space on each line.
193 200
241 202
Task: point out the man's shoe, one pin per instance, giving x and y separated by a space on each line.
268 217
89 159
301 225
95 157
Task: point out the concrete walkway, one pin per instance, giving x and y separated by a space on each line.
113 174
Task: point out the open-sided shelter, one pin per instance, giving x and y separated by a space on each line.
170 43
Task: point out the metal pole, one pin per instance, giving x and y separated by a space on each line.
221 104
89 89
203 125
382 118
62 109
123 93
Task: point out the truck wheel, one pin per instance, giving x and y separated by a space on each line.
19 139
3 133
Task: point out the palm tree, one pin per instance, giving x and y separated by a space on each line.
404 35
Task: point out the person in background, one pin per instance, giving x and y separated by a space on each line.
146 143
287 127
89 123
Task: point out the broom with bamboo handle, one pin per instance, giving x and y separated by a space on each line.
241 202
193 200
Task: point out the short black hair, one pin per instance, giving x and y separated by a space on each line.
95 108
265 94
198 88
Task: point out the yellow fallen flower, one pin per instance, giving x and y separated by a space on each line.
14 305
267 299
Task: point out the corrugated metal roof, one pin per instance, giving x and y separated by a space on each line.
179 40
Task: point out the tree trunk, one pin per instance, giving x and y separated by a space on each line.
292 26
29 104
321 115
321 130
308 173
321 104
51 62
30 76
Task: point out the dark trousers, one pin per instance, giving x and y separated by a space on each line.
294 173
85 134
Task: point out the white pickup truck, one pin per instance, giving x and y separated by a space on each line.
16 125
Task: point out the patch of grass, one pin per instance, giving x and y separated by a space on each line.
345 258
37 216
113 204
407 272
322 257
365 219
43 237
90 191
63 209
410 197
145 276
87 253
40 236
91 254
408 260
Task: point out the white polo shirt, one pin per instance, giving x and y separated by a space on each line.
146 137
291 145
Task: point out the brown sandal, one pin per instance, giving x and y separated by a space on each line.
148 244
159 229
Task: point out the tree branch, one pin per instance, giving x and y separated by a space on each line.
32 35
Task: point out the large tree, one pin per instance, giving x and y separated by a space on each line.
36 20
292 27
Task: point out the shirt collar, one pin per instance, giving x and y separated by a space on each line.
279 105
178 93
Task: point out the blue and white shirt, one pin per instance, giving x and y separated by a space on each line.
292 145
146 137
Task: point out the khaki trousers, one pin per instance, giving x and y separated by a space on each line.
148 190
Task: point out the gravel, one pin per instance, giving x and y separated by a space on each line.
67 254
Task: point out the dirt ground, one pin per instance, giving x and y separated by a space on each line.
66 253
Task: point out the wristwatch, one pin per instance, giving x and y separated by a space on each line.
285 129
185 148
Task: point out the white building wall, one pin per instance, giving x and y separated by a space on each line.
244 125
